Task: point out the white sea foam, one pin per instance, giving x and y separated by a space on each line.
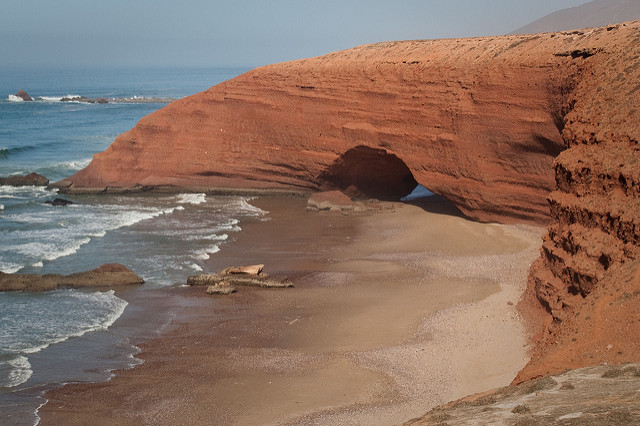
203 234
1 207
206 253
132 217
48 233
57 98
73 165
113 304
243 206
231 225
10 267
23 191
201 255
192 198
14 98
70 249
63 314
216 237
20 371
196 267
37 413
51 250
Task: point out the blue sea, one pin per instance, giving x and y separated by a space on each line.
48 339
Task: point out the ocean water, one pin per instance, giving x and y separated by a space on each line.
51 338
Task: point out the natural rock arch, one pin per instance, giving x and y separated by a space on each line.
370 172
475 120
481 121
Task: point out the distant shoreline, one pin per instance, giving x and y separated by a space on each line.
93 100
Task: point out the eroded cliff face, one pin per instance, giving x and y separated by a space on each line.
475 120
586 277
596 204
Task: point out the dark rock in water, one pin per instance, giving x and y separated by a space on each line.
109 275
59 202
85 100
24 95
32 179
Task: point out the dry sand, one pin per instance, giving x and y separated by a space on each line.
393 313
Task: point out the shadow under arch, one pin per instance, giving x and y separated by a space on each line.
365 172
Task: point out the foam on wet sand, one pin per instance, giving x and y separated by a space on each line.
393 312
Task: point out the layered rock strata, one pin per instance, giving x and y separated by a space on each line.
478 121
595 207
595 229
475 120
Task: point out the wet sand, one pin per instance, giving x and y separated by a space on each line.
393 312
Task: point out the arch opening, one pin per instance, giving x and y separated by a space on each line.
418 193
364 172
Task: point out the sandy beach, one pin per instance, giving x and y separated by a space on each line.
393 312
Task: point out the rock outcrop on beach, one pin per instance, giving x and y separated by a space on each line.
108 275
31 179
330 200
225 281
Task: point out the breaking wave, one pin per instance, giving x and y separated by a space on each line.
62 314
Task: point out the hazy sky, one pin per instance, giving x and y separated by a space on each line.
237 32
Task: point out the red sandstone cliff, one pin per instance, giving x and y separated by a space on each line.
588 276
479 121
475 120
